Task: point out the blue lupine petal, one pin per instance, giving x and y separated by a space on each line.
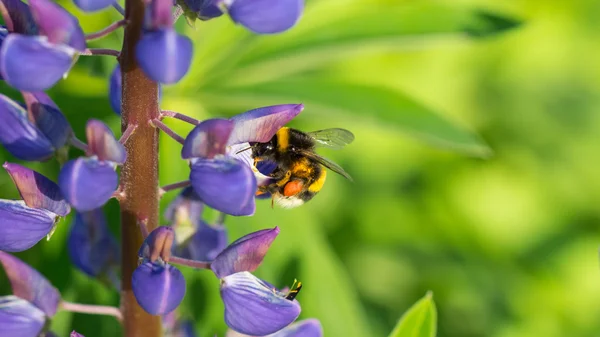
305 328
164 55
207 139
114 90
21 226
158 288
17 17
87 184
19 136
30 285
255 308
57 24
206 243
93 5
36 190
225 184
52 123
261 124
266 16
31 63
19 318
92 247
244 254
102 142
205 9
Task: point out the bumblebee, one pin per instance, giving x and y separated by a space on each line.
299 172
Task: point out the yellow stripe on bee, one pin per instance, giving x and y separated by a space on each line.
283 139
317 185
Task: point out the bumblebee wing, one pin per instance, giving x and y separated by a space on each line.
328 164
335 138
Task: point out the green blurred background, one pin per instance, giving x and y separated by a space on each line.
475 163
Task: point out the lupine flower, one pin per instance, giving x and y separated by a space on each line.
19 317
158 286
259 16
88 183
92 247
252 306
163 54
30 285
36 133
24 223
305 328
33 62
221 179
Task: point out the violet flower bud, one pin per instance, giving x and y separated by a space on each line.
225 184
20 318
266 16
36 190
103 144
91 246
159 288
254 307
57 24
164 55
207 139
158 244
30 285
244 254
48 118
87 183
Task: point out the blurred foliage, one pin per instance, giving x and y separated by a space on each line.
503 229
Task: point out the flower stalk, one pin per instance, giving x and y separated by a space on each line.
104 32
139 175
92 309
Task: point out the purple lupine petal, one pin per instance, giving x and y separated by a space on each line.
19 136
39 97
114 89
305 328
266 16
205 9
52 123
206 243
57 24
75 334
21 226
158 288
225 184
157 244
162 16
244 254
102 142
164 55
36 190
87 183
19 318
207 139
91 246
17 17
93 5
260 125
30 285
31 63
255 308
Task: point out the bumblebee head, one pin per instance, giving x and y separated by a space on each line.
263 150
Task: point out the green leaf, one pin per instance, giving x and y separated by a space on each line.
325 97
419 321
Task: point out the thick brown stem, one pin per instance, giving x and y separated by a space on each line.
139 176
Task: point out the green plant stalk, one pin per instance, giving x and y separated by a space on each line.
139 175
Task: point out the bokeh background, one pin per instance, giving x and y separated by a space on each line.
475 163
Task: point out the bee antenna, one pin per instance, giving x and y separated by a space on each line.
243 150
